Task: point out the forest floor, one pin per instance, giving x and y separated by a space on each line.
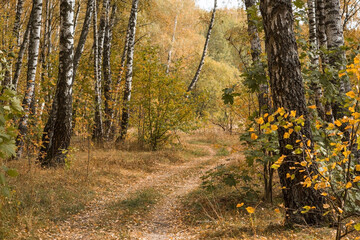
133 194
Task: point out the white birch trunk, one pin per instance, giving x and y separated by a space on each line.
33 55
202 61
129 70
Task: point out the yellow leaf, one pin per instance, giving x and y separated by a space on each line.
357 179
277 210
239 205
286 135
274 127
357 168
251 130
338 123
303 163
324 194
288 175
312 107
352 109
293 114
348 185
260 120
333 165
351 94
250 210
308 143
254 136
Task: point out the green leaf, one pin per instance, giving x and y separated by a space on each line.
289 146
357 227
12 173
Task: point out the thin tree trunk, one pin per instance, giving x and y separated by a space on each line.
202 61
129 71
314 58
320 27
17 23
171 45
76 16
33 53
83 36
57 132
263 96
288 92
109 110
98 129
7 82
123 58
20 56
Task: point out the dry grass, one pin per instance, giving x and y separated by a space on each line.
42 197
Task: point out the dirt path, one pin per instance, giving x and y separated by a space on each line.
162 222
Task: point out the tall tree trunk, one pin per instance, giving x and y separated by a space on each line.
263 96
80 46
314 58
288 91
21 54
123 58
33 55
57 132
109 110
14 42
171 45
320 26
336 57
17 23
98 128
129 71
202 61
83 36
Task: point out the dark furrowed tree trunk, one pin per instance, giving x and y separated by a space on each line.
57 132
98 128
288 92
202 61
129 71
33 53
109 110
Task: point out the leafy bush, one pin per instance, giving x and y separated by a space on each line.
162 107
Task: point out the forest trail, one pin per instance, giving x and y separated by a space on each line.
162 221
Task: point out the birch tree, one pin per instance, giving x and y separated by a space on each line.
314 57
33 55
57 132
336 56
109 111
98 128
19 60
129 71
202 61
288 92
263 96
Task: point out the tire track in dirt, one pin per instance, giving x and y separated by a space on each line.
163 221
